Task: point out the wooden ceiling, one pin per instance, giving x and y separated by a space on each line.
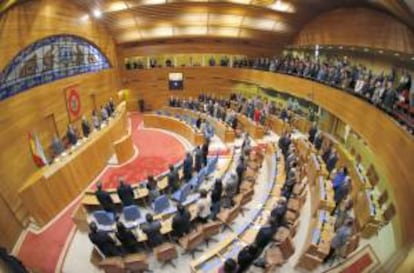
272 22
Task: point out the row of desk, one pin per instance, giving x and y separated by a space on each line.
222 130
53 187
193 135
243 234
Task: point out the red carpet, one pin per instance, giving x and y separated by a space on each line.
156 151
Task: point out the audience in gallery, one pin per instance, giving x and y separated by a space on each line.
386 91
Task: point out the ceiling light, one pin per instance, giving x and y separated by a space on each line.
380 51
97 13
228 20
258 23
340 47
191 30
397 54
116 6
85 18
412 58
282 6
366 49
329 47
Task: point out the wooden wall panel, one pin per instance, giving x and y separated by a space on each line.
36 108
393 147
357 27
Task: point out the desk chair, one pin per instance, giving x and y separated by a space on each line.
273 258
209 230
132 216
112 265
227 216
243 198
162 205
191 241
165 253
136 263
181 194
105 221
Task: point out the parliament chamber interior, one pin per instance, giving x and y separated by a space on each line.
204 136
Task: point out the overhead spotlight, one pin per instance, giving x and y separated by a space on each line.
85 18
97 13
397 54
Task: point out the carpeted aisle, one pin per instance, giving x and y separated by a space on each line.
41 252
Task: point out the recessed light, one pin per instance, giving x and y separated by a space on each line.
97 13
85 17
412 58
366 49
380 51
340 47
397 54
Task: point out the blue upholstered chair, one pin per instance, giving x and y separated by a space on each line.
132 216
105 221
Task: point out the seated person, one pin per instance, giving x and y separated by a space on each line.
104 114
71 135
104 198
57 146
153 230
127 238
181 221
103 241
152 188
125 193
230 266
112 105
203 207
86 128
246 257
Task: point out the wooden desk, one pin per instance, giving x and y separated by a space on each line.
194 136
256 131
124 148
222 130
277 125
53 187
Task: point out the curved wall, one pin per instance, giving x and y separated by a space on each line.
42 108
393 147
357 27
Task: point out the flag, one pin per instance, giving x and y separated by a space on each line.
36 148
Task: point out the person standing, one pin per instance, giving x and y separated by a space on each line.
127 238
203 207
71 135
125 193
216 198
104 199
340 239
103 241
204 150
86 128
173 179
198 159
181 222
153 230
188 166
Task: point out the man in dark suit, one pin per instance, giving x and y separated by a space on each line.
86 128
125 193
173 179
239 171
71 135
103 241
331 161
246 257
312 133
188 166
104 199
153 230
278 213
198 159
265 234
127 238
204 150
318 141
181 221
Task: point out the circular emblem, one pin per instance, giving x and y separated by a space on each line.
74 102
